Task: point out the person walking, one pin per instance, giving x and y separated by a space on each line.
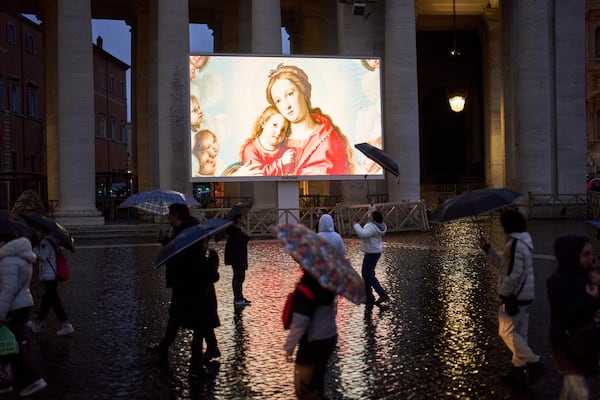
191 276
236 255
371 244
16 303
574 302
515 281
313 329
46 253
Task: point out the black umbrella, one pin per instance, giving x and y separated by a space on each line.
60 232
474 203
14 222
188 237
379 157
241 207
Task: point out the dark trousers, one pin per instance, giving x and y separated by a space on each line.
51 300
368 274
310 368
239 276
23 367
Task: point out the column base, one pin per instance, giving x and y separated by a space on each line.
79 217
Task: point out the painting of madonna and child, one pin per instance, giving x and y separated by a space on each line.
279 118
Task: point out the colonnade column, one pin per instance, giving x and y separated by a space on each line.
571 142
173 95
402 99
266 39
75 136
144 92
356 37
531 131
495 162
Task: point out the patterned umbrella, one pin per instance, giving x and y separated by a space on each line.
322 261
158 201
12 221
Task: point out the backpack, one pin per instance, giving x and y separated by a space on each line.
62 268
286 316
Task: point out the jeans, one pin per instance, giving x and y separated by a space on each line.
368 274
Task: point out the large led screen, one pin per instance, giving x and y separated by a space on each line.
283 118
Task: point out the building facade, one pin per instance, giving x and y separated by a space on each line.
525 116
25 151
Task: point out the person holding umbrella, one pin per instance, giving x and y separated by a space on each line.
516 288
371 244
314 302
46 252
191 275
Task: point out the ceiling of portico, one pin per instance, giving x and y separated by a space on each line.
431 14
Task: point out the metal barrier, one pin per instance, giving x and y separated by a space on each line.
403 216
558 205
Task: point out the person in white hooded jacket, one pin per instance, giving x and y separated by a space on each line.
515 278
327 232
16 302
371 244
46 252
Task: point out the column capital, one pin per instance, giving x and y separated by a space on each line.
491 17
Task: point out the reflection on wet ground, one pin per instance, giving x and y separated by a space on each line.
437 339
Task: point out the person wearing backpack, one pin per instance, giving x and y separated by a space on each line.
46 252
312 327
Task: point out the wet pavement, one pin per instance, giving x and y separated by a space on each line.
437 339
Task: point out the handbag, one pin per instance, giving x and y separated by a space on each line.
583 341
8 341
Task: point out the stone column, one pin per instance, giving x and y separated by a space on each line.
401 134
571 140
50 20
173 95
356 36
531 65
495 163
144 90
266 39
75 109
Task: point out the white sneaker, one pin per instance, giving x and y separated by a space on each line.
35 326
67 329
33 388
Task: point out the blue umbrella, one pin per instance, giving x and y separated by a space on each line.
474 203
158 201
379 157
189 237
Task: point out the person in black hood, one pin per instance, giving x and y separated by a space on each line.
574 302
191 275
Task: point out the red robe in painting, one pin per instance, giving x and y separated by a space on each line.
269 161
323 153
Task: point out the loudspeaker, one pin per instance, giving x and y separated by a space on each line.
358 8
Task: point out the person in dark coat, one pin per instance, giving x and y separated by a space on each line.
191 275
574 302
236 255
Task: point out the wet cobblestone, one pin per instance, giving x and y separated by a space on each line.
437 340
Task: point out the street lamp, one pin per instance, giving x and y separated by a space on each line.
456 97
